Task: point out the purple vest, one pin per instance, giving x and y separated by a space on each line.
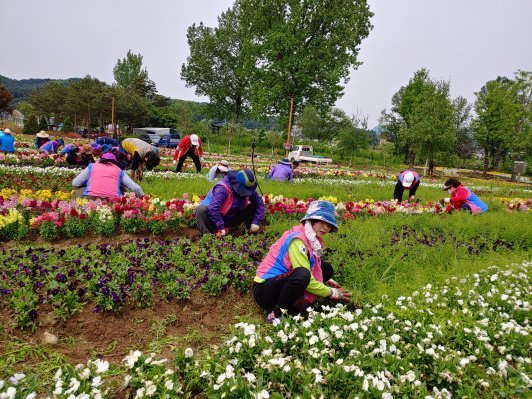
104 180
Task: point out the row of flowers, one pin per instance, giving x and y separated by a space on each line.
468 337
51 215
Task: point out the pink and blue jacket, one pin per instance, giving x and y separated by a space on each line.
462 195
104 181
277 261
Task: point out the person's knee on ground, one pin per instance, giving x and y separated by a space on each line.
327 271
202 219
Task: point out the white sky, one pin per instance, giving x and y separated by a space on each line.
465 41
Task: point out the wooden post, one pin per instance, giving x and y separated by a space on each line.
113 127
289 123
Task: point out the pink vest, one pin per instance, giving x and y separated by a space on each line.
277 261
104 180
227 202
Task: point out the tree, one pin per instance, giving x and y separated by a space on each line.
301 49
88 100
49 99
31 126
129 74
523 136
5 99
311 123
216 66
498 116
424 115
43 123
465 146
68 126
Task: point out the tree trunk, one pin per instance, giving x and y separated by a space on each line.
486 160
425 168
412 157
497 158
431 167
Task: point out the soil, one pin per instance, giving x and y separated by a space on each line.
198 323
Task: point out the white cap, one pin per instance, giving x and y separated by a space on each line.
408 179
194 139
223 166
8 131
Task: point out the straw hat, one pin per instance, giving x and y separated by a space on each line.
43 135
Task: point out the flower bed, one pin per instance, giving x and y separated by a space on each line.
466 338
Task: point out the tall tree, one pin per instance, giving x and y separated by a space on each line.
5 98
48 99
497 119
130 74
465 146
216 65
425 115
301 49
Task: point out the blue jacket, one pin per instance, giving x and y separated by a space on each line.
8 143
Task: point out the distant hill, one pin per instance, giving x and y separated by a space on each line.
23 88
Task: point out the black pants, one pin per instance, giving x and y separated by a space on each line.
195 158
206 225
283 291
399 190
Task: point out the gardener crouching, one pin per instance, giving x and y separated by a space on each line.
462 198
292 274
104 179
231 202
407 179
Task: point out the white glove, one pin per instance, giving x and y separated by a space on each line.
446 200
254 228
411 197
174 162
335 293
202 160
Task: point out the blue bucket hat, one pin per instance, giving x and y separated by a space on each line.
285 161
243 182
324 211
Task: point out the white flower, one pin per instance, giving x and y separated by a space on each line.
250 377
169 385
263 394
151 388
189 352
101 365
464 361
96 381
365 385
395 338
10 393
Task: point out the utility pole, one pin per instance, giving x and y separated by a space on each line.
289 125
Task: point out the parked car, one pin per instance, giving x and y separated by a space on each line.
151 138
305 153
169 140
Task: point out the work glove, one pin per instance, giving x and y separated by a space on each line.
446 200
221 233
411 198
174 162
254 228
339 294
202 160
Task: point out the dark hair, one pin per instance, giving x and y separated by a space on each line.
295 163
452 182
152 160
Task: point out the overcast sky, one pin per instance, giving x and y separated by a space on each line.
467 42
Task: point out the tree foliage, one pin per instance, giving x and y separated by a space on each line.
216 66
422 118
130 74
31 126
5 98
503 121
302 49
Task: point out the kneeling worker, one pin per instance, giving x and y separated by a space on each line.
292 274
140 153
232 201
104 179
283 171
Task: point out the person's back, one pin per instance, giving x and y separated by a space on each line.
104 180
282 171
7 142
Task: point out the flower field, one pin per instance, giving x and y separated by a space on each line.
138 305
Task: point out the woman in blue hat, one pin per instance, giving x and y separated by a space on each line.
292 274
231 202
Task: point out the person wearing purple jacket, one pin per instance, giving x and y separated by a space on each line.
232 201
283 171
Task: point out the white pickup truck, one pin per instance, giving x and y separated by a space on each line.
304 153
